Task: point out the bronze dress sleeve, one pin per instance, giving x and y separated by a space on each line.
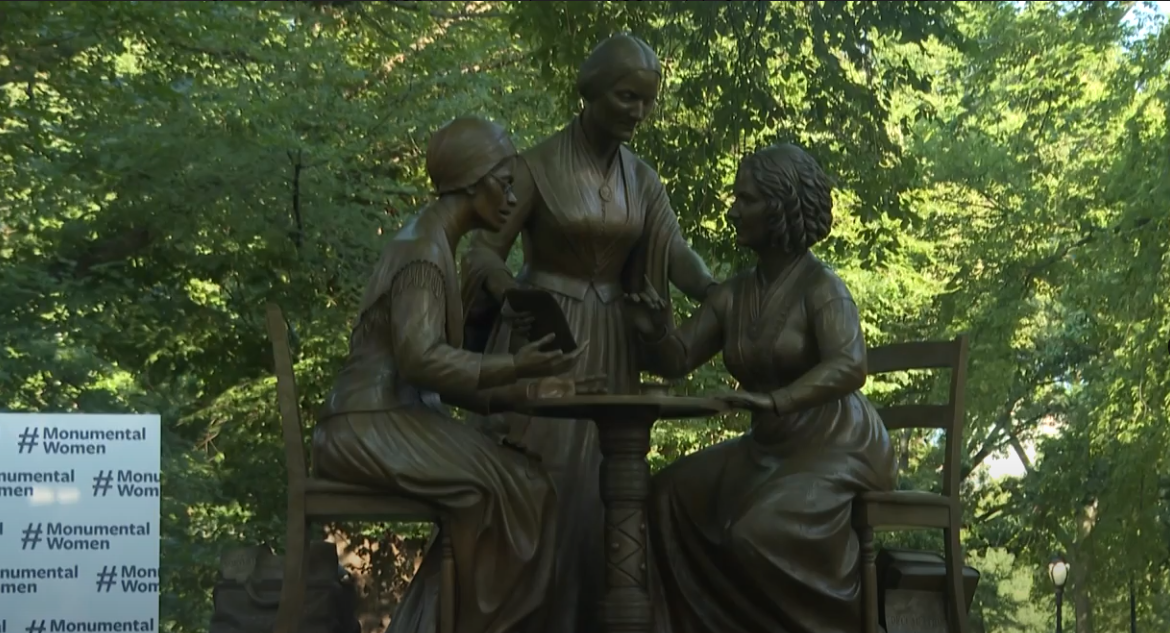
841 370
498 507
688 272
754 533
425 359
680 351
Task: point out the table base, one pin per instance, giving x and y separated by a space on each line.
625 489
623 428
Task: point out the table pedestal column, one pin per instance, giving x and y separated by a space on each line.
625 488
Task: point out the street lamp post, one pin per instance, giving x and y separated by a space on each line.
1058 572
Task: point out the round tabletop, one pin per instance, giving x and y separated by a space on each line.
663 407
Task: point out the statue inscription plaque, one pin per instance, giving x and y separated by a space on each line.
909 611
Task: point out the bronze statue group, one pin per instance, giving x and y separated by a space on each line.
751 535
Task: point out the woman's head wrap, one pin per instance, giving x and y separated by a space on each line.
465 150
613 59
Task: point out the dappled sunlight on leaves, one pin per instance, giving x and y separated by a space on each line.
166 168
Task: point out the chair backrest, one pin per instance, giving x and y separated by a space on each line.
950 355
286 397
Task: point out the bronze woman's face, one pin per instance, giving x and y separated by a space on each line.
748 215
493 200
619 110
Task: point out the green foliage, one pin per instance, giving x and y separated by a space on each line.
167 167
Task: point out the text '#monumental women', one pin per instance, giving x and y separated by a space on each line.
52 440
64 536
82 626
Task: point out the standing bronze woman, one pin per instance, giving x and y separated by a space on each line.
754 534
596 222
383 425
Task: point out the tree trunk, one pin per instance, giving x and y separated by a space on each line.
1081 569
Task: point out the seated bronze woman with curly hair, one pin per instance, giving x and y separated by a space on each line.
753 534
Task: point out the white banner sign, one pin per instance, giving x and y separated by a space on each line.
79 522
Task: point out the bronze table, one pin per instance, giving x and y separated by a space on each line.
623 427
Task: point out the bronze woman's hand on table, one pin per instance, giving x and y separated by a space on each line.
555 387
747 400
559 387
766 432
594 385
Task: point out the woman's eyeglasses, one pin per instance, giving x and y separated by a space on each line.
506 187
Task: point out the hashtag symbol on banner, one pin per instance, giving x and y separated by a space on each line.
30 536
27 440
101 482
106 578
36 626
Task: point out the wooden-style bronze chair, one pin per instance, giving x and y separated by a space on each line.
312 499
912 510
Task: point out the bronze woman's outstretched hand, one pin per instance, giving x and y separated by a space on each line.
590 386
648 312
532 362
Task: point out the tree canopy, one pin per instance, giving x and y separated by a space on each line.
1003 170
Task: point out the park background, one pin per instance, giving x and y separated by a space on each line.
1003 168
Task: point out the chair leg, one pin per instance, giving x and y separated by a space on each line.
869 584
447 582
292 588
956 595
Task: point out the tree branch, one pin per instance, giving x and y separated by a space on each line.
990 443
991 512
236 55
468 10
1018 447
298 166
107 250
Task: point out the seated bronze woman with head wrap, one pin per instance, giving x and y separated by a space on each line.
754 534
383 424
